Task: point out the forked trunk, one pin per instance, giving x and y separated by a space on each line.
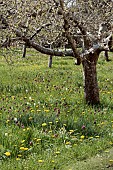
91 89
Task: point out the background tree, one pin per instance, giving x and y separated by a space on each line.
70 20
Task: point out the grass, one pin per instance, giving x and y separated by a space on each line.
44 121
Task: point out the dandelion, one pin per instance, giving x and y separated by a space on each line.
40 161
44 124
68 143
91 137
22 141
7 153
23 149
71 131
111 161
52 161
7 121
57 152
19 155
30 118
38 140
17 159
46 111
82 137
97 136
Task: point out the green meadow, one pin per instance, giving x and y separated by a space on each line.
45 123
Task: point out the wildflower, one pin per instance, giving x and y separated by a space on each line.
17 159
46 111
22 141
44 124
23 149
82 137
38 110
30 118
83 127
97 136
40 161
38 140
71 131
91 137
57 152
7 121
68 143
7 153
52 161
19 155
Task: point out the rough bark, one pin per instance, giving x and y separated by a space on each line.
106 56
50 61
91 90
24 50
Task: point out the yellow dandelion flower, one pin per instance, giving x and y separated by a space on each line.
19 155
111 161
7 153
68 143
44 124
38 110
91 137
25 149
38 140
30 118
22 141
7 121
21 148
52 161
17 159
82 137
46 111
40 161
57 152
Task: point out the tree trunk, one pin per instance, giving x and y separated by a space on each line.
50 61
24 50
91 90
106 56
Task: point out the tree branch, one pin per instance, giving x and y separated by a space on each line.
39 29
41 48
68 35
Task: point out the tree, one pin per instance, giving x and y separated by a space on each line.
71 20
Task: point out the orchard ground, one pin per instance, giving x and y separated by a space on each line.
45 123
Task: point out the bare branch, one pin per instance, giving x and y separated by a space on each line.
41 48
68 35
39 29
